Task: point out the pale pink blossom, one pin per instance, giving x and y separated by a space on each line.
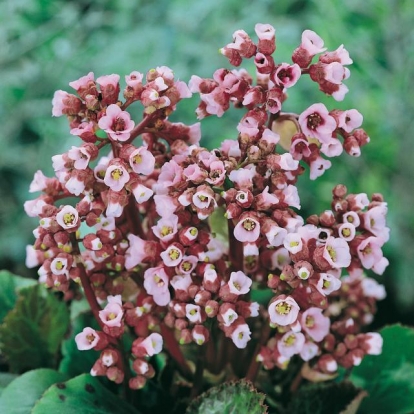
346 231
172 256
340 55
82 82
166 228
327 284
141 193
87 339
293 243
142 161
181 282
283 311
39 182
231 148
276 235
351 217
217 173
291 196
242 177
229 316
134 79
241 335
216 249
247 230
375 222
337 252
239 283
286 75
335 73
315 324
192 312
156 284
332 148
291 344
60 266
116 177
350 120
340 93
117 123
316 122
112 314
312 43
68 217
369 251
373 343
171 174
380 266
373 289
287 162
309 350
152 344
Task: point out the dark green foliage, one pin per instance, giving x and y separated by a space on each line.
229 398
389 378
81 395
31 333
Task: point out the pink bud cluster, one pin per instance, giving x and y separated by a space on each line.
140 238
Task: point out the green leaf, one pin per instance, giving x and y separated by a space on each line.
77 362
31 333
219 223
5 379
326 398
20 396
389 378
231 398
9 286
262 296
81 395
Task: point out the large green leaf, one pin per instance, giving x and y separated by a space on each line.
20 395
326 398
389 378
77 362
81 395
31 333
230 398
9 285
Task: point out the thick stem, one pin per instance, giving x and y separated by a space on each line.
254 364
139 129
175 352
134 219
87 288
235 249
198 376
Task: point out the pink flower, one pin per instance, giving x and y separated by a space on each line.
192 312
241 335
374 221
134 79
141 193
332 148
309 350
327 284
117 123
317 123
171 174
81 156
242 177
239 283
109 88
152 344
369 251
373 289
142 161
291 344
283 311
291 196
156 284
172 256
85 85
373 343
112 314
181 282
286 75
276 235
346 231
247 230
315 324
312 43
166 228
39 182
87 339
293 243
337 252
68 217
65 104
116 176
340 55
350 120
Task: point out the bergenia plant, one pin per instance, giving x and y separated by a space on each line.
201 256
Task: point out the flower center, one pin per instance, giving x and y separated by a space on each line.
249 224
174 254
283 308
310 321
314 120
290 340
116 174
332 253
166 230
118 125
68 218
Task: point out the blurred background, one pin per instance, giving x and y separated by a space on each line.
45 44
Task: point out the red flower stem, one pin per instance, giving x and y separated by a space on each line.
198 376
139 129
87 288
254 364
134 219
175 352
235 249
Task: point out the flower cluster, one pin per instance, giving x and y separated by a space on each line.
141 239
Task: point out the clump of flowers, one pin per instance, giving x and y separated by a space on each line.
129 220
